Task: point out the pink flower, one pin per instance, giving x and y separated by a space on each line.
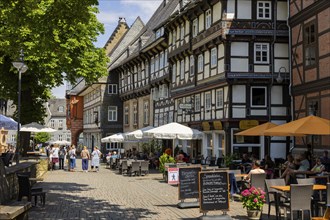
262 196
255 200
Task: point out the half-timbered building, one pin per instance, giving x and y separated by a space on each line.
310 62
229 71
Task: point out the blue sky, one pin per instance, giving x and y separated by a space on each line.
109 13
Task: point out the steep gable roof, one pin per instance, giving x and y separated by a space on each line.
116 35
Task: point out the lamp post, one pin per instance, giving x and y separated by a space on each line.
22 68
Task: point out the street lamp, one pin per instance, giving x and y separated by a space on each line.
22 68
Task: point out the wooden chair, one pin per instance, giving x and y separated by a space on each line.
25 189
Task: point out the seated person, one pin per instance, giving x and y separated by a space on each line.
180 157
319 167
304 166
290 163
255 170
246 163
325 160
269 167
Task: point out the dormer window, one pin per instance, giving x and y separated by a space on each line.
159 32
60 109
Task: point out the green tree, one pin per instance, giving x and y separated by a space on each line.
57 38
42 137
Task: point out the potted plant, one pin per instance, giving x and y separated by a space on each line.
253 200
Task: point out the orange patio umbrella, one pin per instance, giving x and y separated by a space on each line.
310 125
257 130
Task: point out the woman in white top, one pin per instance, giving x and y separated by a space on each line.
96 154
55 156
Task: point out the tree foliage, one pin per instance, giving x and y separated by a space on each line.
42 137
57 38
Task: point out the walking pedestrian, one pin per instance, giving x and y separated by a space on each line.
72 154
96 154
85 156
55 156
62 157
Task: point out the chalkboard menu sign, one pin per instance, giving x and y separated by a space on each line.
213 191
188 182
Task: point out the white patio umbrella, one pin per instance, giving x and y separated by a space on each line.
62 142
116 138
36 127
173 131
137 134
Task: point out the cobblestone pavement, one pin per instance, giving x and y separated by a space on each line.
109 195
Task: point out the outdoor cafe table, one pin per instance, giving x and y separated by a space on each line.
287 189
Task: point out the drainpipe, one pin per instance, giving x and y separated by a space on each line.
268 139
290 70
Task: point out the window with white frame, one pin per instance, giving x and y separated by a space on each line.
126 111
261 53
174 38
180 101
258 96
264 10
173 72
182 69
165 91
112 113
195 27
152 65
146 112
192 65
182 31
200 65
156 63
208 19
52 123
219 98
146 70
161 60
197 102
112 89
310 43
208 101
214 57
60 137
135 114
60 123
160 91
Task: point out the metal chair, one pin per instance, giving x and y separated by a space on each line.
135 168
306 181
25 189
145 167
300 200
271 193
258 180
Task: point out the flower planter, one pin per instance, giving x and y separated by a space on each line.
254 214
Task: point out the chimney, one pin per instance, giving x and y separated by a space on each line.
121 20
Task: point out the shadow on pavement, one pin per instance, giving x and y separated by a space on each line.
62 202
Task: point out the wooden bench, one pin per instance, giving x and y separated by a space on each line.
10 209
15 210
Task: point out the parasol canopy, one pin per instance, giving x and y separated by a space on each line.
310 125
173 131
137 134
116 138
7 123
36 127
258 130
